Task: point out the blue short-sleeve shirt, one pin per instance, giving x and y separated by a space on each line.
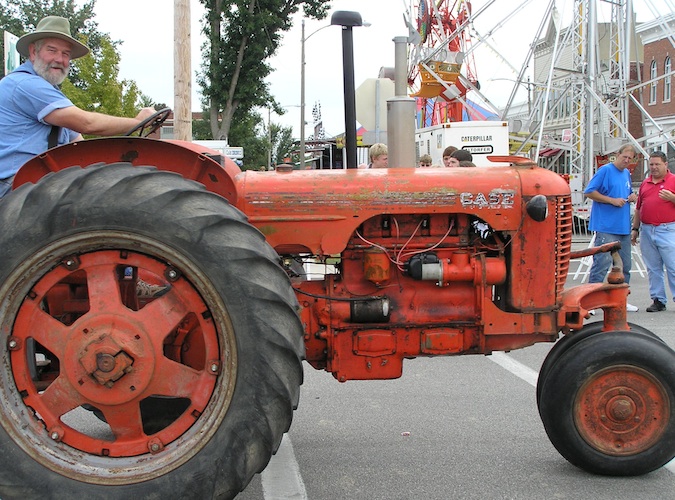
25 100
615 183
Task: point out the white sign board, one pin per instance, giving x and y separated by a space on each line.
371 103
12 60
234 152
222 147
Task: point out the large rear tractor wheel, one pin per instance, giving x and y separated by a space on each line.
608 404
150 342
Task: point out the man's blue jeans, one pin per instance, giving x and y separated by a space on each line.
657 244
603 261
5 185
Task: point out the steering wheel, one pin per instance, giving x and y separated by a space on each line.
150 124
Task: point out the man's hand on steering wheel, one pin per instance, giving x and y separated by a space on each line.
150 121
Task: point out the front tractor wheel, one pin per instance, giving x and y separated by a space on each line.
151 344
608 404
568 341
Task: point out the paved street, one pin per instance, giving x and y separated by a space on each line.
450 428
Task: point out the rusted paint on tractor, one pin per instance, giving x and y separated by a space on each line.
187 159
622 411
319 210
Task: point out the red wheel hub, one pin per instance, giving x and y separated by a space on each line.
112 352
622 410
109 365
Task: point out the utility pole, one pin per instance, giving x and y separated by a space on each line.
302 96
269 138
182 81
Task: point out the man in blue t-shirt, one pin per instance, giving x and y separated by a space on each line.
34 114
612 193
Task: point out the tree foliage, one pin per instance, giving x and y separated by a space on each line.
283 144
22 16
250 134
242 35
257 140
100 89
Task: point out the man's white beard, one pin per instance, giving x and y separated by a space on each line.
43 69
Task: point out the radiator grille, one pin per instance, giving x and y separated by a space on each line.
563 241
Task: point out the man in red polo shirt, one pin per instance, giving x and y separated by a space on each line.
655 221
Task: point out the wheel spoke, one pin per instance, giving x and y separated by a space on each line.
162 316
42 327
56 400
125 421
103 288
177 380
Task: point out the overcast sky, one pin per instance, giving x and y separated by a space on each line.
147 49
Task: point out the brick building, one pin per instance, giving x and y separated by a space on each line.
658 95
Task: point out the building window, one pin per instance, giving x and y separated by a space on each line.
667 68
652 88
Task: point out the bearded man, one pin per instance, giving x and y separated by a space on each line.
34 114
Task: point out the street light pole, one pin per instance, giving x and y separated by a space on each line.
302 97
303 39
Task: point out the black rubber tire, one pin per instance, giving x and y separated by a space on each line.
566 401
568 341
239 278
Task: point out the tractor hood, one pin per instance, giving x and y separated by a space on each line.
318 210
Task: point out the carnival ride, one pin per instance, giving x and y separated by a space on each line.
582 80
440 50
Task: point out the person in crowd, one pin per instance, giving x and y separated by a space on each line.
459 155
425 161
467 163
611 191
654 221
34 114
447 154
378 156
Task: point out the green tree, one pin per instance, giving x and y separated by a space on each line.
100 89
241 37
283 144
201 129
249 133
22 16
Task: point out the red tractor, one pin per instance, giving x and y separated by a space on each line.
106 393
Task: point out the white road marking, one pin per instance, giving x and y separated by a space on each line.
281 479
518 369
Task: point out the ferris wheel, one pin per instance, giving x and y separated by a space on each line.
440 73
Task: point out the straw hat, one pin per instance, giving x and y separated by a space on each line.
52 27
